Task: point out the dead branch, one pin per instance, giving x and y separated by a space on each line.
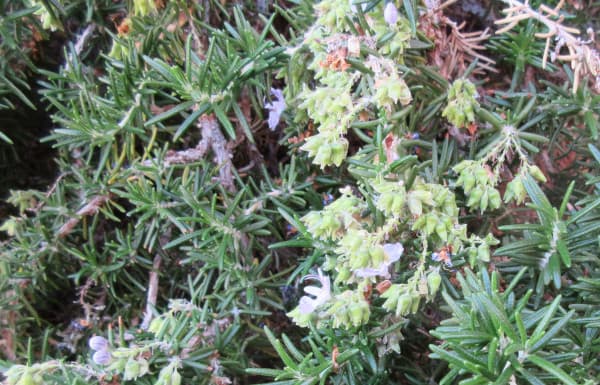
454 51
213 138
90 208
152 291
153 281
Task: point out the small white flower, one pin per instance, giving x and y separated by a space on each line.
392 252
321 294
98 343
275 108
390 13
102 357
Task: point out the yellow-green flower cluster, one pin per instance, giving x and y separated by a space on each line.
327 149
432 206
130 363
391 198
477 181
405 298
393 38
345 310
349 308
462 101
515 189
363 241
360 249
29 375
336 218
362 254
479 248
144 7
334 102
169 374
390 90
332 14
331 109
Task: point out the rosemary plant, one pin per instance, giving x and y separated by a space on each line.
308 192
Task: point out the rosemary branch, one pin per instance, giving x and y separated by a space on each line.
584 59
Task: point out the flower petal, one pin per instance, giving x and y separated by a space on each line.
368 272
276 108
306 305
393 251
313 290
98 343
102 357
390 13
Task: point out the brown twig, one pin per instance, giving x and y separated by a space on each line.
453 51
90 208
152 291
213 138
41 204
153 281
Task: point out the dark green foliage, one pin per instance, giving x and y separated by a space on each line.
494 338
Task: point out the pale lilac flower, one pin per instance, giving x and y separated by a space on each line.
98 343
275 108
321 294
102 357
392 252
102 354
390 13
